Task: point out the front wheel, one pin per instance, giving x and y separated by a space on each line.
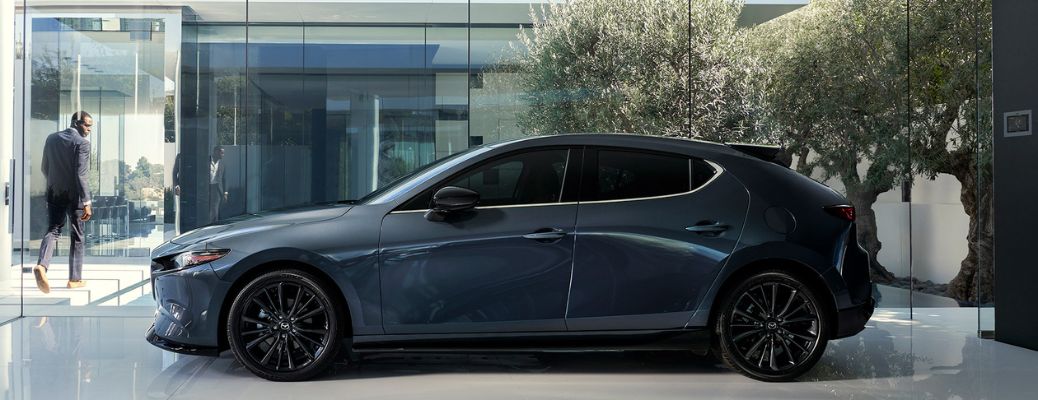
772 327
284 326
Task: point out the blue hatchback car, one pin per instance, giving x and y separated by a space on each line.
569 242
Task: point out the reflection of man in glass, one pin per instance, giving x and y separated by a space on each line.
66 161
217 186
176 175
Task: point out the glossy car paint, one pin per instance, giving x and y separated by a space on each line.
637 269
637 258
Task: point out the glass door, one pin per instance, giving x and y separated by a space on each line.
120 66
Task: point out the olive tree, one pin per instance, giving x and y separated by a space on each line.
951 121
640 66
831 83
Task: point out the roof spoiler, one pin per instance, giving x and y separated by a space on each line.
772 154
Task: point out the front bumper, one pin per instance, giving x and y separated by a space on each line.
181 348
188 309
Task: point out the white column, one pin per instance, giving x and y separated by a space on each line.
7 61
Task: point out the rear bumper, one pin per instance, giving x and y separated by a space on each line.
852 320
181 348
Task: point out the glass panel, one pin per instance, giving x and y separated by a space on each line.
212 98
12 17
585 66
828 81
951 146
343 98
122 64
984 228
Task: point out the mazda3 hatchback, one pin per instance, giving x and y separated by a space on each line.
557 243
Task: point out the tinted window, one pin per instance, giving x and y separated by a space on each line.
525 178
702 172
628 175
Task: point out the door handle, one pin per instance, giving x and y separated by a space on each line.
708 228
545 235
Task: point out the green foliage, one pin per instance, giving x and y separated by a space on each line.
951 87
145 181
866 92
832 80
631 66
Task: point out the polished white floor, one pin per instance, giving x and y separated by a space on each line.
935 356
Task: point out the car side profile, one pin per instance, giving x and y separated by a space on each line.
554 243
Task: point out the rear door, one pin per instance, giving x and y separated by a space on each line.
653 229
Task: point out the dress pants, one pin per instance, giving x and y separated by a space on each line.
56 217
215 200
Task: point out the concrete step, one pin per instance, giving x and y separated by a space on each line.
107 285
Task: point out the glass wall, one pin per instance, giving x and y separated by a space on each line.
952 236
889 102
122 65
328 106
209 110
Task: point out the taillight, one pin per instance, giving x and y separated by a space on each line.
842 211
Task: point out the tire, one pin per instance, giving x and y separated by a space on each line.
772 327
285 326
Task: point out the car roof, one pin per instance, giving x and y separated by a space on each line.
663 143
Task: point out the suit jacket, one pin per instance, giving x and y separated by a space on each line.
66 163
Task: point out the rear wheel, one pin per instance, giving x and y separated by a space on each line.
284 326
772 327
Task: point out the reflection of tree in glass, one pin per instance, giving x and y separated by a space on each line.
631 66
229 118
47 71
145 181
169 119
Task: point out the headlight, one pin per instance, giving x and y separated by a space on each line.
192 258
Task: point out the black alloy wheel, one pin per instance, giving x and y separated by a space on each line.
772 327
283 326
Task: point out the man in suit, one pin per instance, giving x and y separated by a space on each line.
66 161
217 185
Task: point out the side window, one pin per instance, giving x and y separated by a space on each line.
629 175
526 178
702 172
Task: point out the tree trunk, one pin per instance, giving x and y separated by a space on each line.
862 199
974 282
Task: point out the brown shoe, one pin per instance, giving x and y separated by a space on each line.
75 284
41 278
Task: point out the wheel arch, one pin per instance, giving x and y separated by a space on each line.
798 261
809 276
242 275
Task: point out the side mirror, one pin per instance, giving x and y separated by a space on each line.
451 199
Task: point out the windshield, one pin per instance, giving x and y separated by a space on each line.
398 182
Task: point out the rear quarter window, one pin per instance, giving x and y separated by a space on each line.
629 175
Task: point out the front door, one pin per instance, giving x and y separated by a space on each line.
503 267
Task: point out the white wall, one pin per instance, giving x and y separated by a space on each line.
937 222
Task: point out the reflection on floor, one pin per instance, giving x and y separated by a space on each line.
115 286
890 296
937 355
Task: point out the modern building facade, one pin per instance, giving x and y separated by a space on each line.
210 109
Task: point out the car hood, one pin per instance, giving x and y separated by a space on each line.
262 221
